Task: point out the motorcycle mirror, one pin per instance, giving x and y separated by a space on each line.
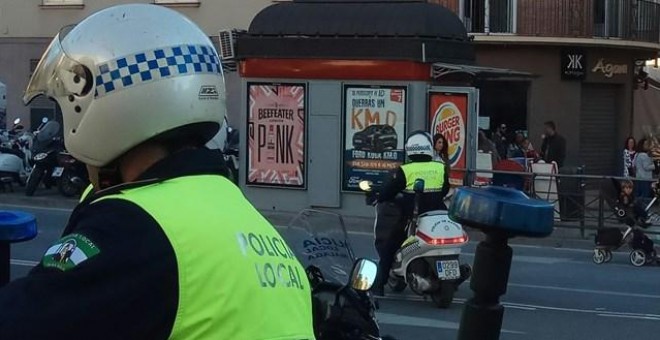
419 185
363 274
365 185
17 121
44 120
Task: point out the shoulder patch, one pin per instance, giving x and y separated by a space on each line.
69 252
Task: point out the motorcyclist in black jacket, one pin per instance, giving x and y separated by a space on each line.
394 210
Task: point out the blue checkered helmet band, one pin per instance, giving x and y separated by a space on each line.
148 66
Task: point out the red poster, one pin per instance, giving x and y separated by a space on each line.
448 116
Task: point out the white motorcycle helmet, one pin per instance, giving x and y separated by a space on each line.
419 143
219 141
129 73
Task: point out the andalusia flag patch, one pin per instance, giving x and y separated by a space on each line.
69 252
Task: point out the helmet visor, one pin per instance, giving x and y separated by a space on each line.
47 78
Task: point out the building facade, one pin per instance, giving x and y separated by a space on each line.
586 56
26 28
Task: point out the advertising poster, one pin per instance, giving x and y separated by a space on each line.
276 135
374 133
448 116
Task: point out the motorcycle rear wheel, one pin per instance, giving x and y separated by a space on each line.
65 185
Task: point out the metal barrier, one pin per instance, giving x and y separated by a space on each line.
580 201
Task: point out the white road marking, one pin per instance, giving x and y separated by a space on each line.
18 206
629 317
528 307
412 321
531 259
24 263
587 291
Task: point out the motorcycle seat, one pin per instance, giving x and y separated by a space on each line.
18 153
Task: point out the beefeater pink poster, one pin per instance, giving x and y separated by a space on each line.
276 135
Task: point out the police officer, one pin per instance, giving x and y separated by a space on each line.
166 247
394 211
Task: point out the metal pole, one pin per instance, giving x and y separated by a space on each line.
601 211
487 16
4 263
483 314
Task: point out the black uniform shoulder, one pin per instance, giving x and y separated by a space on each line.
112 275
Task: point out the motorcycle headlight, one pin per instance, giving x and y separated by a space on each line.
40 156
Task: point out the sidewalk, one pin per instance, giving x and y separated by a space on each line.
563 237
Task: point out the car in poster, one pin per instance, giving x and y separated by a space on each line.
376 138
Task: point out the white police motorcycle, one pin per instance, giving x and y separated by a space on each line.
428 260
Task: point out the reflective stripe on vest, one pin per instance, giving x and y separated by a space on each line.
87 191
237 277
433 174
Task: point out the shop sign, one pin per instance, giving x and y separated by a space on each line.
573 64
609 69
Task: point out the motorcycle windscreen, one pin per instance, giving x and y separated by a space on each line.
48 131
319 239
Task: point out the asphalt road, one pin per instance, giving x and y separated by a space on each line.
553 293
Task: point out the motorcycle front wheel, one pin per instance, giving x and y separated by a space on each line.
397 285
33 180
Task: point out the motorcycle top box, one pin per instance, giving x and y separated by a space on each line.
435 227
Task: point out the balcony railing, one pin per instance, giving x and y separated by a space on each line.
636 20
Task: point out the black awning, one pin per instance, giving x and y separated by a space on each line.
359 18
440 70
391 30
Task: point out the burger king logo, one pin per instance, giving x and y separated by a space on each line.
448 121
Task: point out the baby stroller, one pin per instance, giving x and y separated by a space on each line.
610 239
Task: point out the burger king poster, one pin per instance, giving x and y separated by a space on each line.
448 114
276 135
374 133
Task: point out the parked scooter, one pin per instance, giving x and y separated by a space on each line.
70 175
46 147
14 154
428 260
342 305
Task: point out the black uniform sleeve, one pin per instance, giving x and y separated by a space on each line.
394 185
128 290
445 184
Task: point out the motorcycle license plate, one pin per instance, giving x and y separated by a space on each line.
57 172
448 270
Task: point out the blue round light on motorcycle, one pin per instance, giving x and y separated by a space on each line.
17 226
504 209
